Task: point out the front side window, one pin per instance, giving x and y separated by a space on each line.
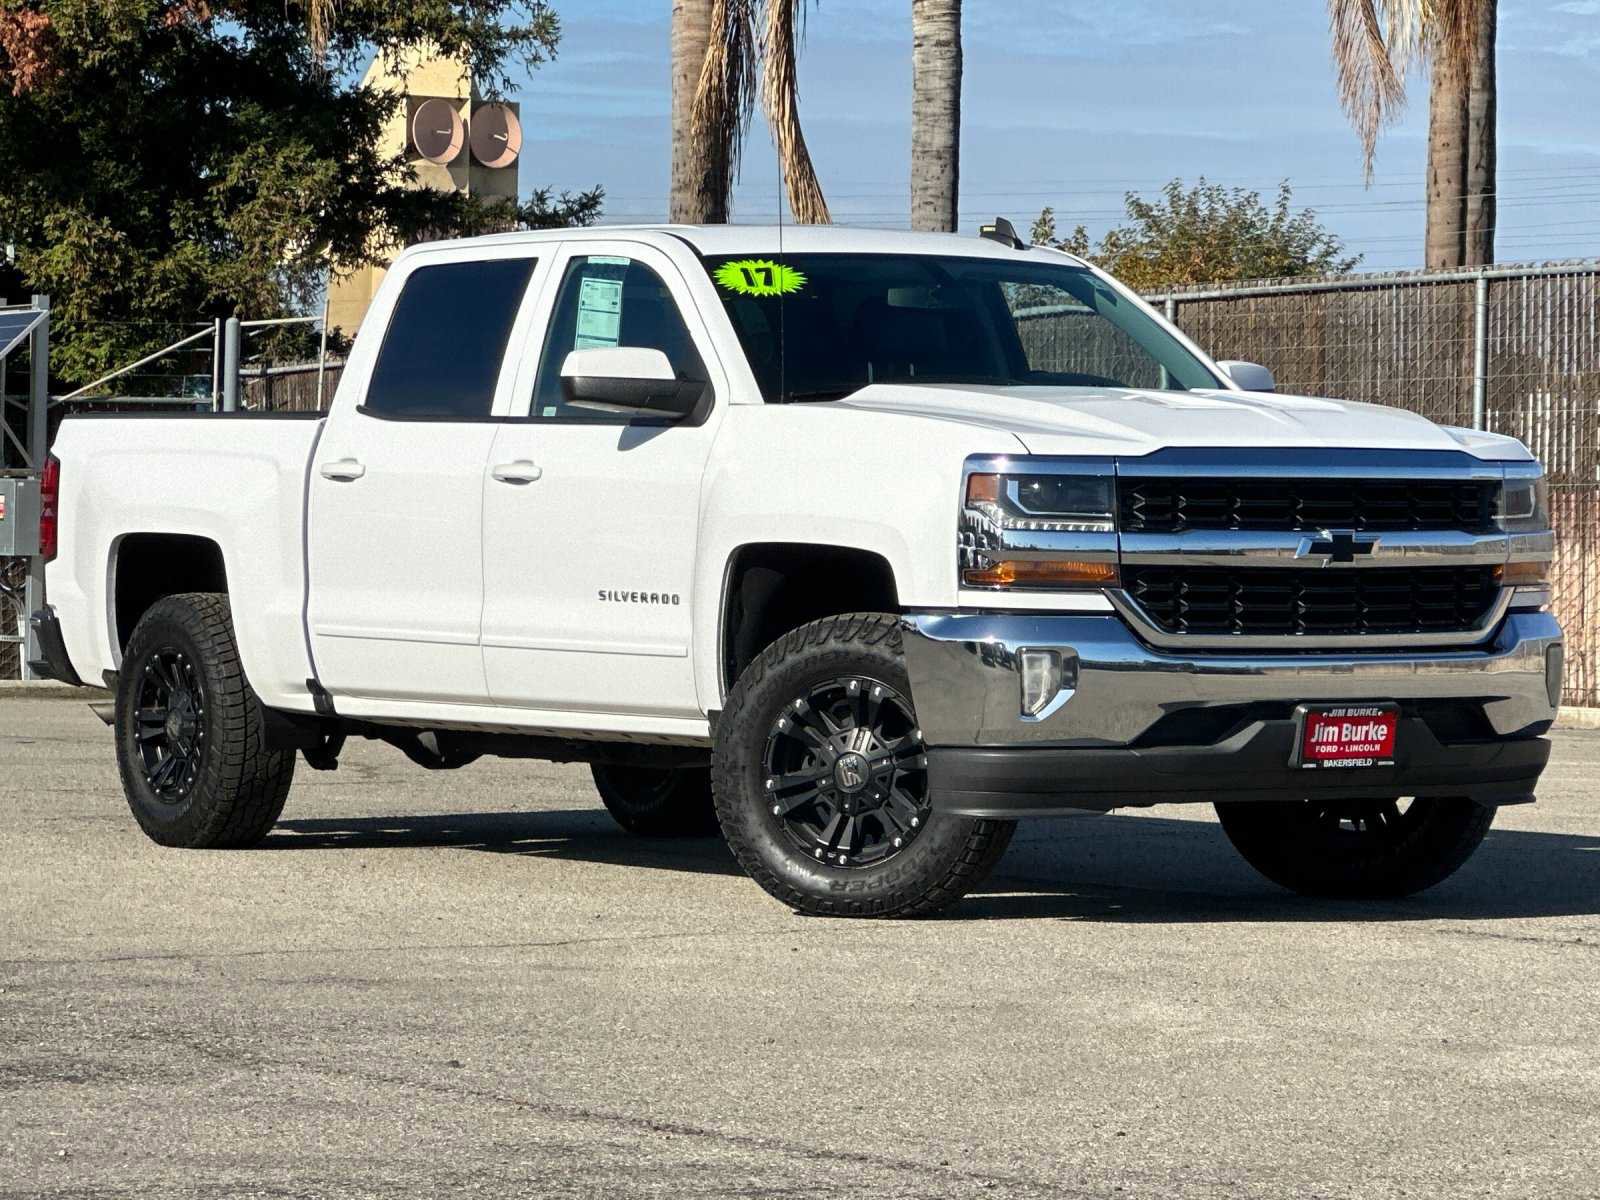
838 322
608 300
441 354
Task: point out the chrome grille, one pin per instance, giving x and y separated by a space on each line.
1178 504
1313 601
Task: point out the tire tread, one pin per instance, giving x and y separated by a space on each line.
983 847
243 782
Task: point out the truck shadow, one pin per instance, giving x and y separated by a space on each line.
580 835
1146 868
1112 868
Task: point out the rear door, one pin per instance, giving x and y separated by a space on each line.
591 521
394 549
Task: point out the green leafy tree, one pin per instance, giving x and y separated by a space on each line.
1206 234
171 161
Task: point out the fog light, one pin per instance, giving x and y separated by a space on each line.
1553 656
1049 677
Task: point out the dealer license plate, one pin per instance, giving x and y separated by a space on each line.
1347 735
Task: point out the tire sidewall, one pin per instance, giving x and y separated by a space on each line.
755 831
1284 844
658 802
170 624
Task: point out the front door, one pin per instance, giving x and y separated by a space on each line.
591 520
394 549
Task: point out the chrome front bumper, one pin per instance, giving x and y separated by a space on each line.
1135 729
967 687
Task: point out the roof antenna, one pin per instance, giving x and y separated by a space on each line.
783 347
1002 231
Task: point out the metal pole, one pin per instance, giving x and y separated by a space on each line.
1480 351
1171 307
216 364
33 594
230 366
322 355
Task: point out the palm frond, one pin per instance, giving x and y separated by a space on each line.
319 25
1370 79
725 95
780 98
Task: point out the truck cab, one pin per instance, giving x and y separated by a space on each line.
856 546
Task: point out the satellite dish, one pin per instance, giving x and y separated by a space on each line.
496 135
437 131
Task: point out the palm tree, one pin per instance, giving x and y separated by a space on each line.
702 175
716 42
935 114
1374 44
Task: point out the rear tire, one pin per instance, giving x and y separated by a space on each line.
1356 849
658 801
821 782
191 743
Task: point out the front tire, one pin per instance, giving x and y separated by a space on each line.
1356 849
191 741
658 801
821 782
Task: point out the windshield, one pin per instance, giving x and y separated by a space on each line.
820 326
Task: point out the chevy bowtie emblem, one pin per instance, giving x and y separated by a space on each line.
1336 546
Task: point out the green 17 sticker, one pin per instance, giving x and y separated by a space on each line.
759 277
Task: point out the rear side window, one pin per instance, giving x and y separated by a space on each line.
441 353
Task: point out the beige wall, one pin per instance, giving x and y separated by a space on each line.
415 76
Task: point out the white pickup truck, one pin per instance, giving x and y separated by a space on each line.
859 545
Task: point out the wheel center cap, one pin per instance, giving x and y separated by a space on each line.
851 772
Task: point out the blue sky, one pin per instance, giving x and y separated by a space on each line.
1072 102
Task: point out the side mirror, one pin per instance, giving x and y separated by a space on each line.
629 380
1252 377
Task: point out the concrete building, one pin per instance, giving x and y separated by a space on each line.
454 141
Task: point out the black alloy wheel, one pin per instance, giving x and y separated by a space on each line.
170 724
846 772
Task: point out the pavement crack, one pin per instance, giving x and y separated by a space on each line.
404 948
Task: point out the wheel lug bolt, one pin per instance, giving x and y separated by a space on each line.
777 809
915 821
898 842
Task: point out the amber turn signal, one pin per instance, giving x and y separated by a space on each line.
1059 573
1523 574
983 489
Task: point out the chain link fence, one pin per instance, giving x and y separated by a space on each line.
13 589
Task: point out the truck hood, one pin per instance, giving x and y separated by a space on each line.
1129 421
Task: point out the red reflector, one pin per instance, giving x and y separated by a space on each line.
49 506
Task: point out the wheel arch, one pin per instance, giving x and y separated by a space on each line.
770 588
146 567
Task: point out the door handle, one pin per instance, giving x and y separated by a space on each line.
343 469
521 471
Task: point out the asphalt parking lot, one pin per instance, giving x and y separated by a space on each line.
444 983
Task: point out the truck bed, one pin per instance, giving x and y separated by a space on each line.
238 481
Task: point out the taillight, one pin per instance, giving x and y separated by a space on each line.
49 507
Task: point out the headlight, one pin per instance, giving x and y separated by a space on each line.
1056 503
1524 504
1040 529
